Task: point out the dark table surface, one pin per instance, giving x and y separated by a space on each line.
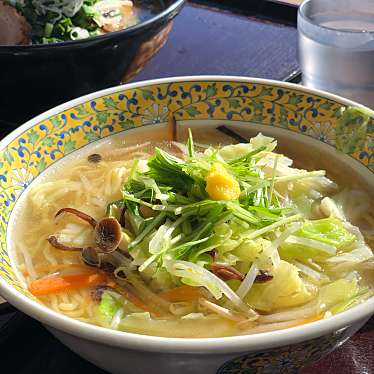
206 39
210 40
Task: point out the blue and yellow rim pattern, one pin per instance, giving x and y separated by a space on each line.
41 145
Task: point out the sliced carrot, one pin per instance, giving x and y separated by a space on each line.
47 286
182 293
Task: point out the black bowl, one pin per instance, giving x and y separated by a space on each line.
34 78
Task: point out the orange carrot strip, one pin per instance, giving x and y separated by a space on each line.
47 286
182 293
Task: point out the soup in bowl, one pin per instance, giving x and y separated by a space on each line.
199 215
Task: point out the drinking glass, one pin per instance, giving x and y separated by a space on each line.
336 47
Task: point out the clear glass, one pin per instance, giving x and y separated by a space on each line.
336 47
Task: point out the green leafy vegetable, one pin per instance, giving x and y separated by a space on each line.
351 128
108 307
190 146
168 170
317 239
56 21
329 230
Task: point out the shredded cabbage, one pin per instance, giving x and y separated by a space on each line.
328 230
233 152
316 276
358 298
318 240
285 290
360 254
108 308
339 291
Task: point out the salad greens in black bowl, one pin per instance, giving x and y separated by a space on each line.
53 21
54 50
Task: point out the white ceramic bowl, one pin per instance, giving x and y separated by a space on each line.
294 114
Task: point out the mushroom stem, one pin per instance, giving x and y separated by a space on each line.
90 257
122 220
79 214
107 233
53 241
226 272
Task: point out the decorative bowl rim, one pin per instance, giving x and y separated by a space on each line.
232 344
177 4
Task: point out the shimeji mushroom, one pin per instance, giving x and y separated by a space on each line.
107 237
